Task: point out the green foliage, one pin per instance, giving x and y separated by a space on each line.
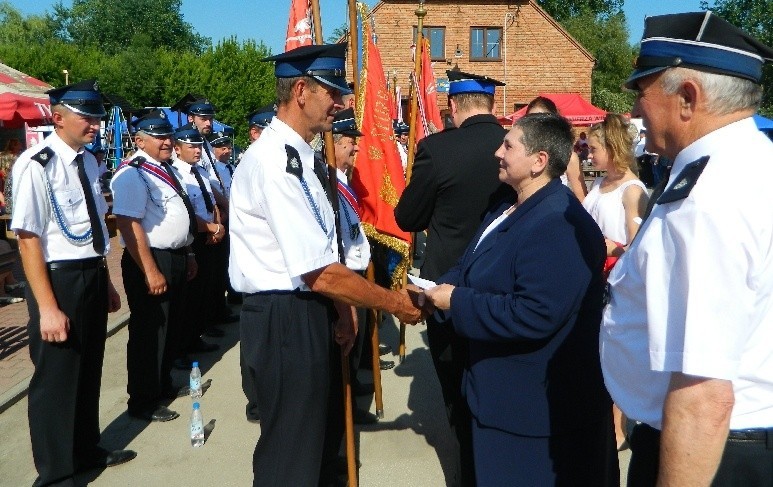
606 37
114 25
563 10
756 18
143 72
25 31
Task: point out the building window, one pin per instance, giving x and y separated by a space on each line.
485 43
437 41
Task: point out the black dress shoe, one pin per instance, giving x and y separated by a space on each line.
230 318
253 420
384 349
214 332
360 389
386 364
360 416
201 346
105 458
161 414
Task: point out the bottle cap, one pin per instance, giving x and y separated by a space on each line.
195 364
196 405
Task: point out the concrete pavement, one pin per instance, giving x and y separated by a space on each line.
409 447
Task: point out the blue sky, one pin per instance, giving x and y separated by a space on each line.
266 20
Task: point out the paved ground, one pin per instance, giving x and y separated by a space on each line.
409 447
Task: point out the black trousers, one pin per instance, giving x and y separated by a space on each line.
450 355
361 345
248 386
219 262
198 302
63 400
744 463
155 324
288 345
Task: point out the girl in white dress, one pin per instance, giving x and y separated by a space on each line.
616 201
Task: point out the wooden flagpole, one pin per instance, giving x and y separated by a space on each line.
372 315
414 116
347 384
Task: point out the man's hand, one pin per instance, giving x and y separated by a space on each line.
113 299
54 325
156 282
410 311
346 327
191 267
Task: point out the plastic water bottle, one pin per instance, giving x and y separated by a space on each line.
197 426
195 382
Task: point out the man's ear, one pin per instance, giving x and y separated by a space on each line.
690 96
300 89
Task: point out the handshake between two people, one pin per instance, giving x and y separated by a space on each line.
427 301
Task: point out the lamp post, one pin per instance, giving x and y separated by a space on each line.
66 74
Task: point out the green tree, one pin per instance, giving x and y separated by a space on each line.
115 25
606 37
756 18
14 28
563 10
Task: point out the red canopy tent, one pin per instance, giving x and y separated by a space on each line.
22 99
574 107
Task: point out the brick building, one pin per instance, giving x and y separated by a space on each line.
535 54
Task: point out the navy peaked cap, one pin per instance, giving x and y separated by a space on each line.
325 63
83 98
262 116
345 124
460 82
701 41
189 134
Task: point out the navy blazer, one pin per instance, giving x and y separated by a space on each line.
529 299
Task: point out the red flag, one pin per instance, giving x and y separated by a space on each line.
429 113
378 176
299 25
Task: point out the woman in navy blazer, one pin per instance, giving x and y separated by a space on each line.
528 294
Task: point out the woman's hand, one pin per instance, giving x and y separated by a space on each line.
440 296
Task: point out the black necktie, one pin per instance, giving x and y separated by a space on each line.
325 176
183 195
204 191
230 169
656 192
212 165
97 235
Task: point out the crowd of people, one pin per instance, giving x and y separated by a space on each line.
554 313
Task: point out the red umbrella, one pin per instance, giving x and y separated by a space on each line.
16 109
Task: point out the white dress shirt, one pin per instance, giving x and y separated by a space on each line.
279 231
694 292
32 208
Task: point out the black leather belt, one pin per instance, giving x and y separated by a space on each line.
180 251
77 264
754 435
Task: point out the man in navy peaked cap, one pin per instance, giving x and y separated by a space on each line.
685 340
454 181
59 219
298 298
157 263
259 120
